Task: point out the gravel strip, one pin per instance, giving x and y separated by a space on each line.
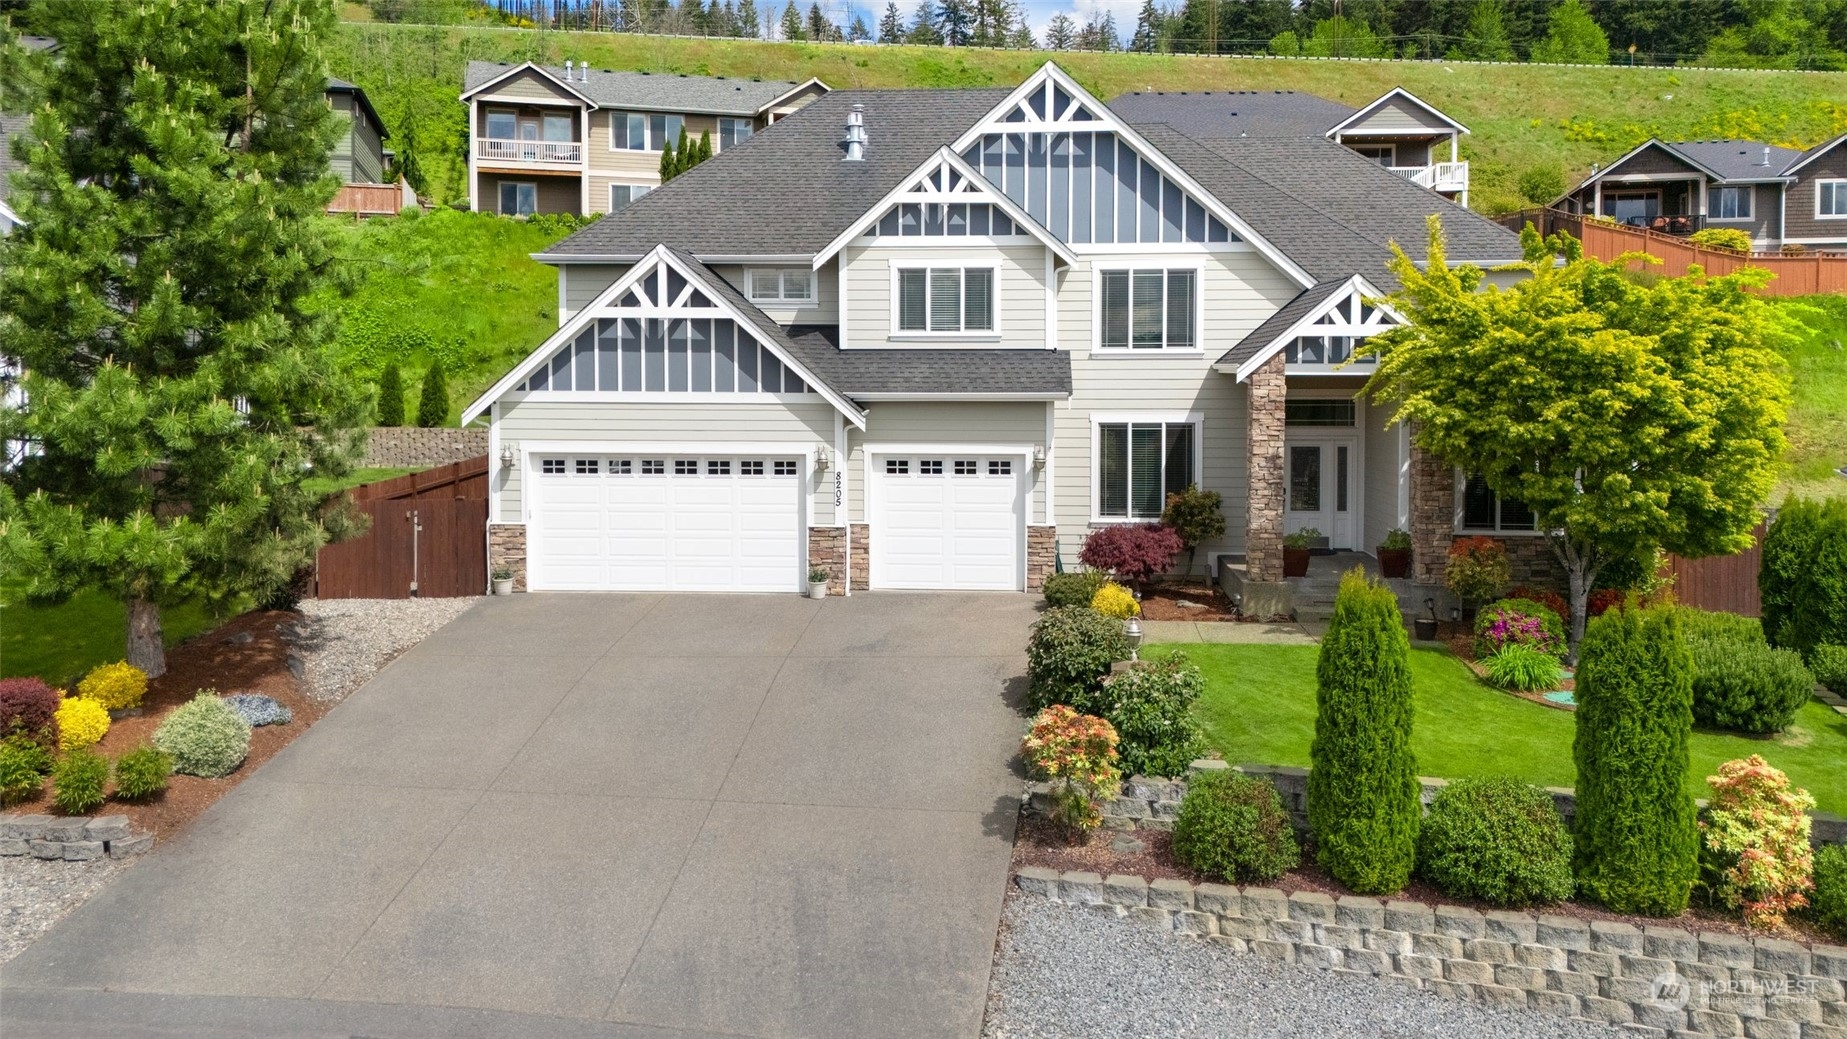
339 644
36 893
1067 972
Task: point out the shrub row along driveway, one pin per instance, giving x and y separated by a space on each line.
582 815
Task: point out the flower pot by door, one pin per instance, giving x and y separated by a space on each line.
1395 562
1295 562
503 586
1425 627
817 589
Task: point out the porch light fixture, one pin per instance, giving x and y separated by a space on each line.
1132 629
1039 457
1455 613
506 455
823 458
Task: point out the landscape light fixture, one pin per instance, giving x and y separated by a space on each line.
1132 628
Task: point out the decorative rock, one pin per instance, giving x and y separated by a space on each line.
1169 810
1540 957
1825 962
1392 943
1366 960
1570 981
1168 893
1713 1022
1669 943
1525 978
1500 997
1612 1011
1777 955
12 846
82 851
1127 846
1034 880
66 829
1562 932
1610 936
1459 922
136 845
1284 951
1512 928
24 827
1222 899
1160 919
1080 886
1764 1028
1667 1019
1187 921
1415 966
1488 950
1127 808
1439 945
1561 1003
1359 911
107 828
1309 955
1726 950
240 638
1311 907
1409 917
1265 903
46 849
1468 972
1238 945
1125 890
1337 937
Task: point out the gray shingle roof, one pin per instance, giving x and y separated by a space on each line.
336 85
785 191
1234 113
654 91
1827 145
1737 159
1278 323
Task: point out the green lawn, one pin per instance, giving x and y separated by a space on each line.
61 643
1259 708
320 485
1818 413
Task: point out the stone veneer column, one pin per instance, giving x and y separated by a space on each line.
1041 555
861 563
1263 529
1433 514
506 546
827 547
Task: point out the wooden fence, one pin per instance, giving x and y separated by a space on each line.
370 200
428 538
1727 583
1795 275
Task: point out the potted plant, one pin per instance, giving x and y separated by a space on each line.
817 582
1395 553
503 580
1296 550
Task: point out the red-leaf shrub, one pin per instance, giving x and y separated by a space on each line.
30 705
1602 599
1546 597
1132 553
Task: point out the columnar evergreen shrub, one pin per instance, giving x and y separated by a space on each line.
433 401
205 736
1754 842
118 686
1739 682
81 723
1803 577
79 781
1363 794
1233 827
29 706
1496 839
1074 589
1114 601
1637 842
391 396
142 772
1071 649
1076 754
1828 663
1151 707
1829 902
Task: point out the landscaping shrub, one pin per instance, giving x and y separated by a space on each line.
259 710
117 686
1076 754
1151 707
1523 668
30 706
1829 901
1114 601
1731 239
433 399
1233 827
1496 839
1636 838
78 781
1197 517
1546 597
1363 794
1074 589
1803 576
1829 666
1754 848
205 737
1522 622
1739 682
23 765
142 772
81 723
1602 600
1070 651
391 396
1477 569
1131 552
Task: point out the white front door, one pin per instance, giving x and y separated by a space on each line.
942 520
671 523
1321 489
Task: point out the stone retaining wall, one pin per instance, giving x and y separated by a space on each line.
404 447
74 839
1656 980
506 546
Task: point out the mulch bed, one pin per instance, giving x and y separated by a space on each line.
1462 645
210 661
1204 603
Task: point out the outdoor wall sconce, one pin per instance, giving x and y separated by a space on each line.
1455 613
506 455
1039 457
1132 629
823 458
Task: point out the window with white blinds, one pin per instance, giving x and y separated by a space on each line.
1139 464
1148 309
945 299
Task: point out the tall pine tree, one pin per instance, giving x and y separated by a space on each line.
177 388
891 24
954 22
1147 38
923 25
792 23
749 26
1060 33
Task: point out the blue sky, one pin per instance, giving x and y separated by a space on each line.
1040 12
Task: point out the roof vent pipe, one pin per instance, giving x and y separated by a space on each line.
570 70
1766 158
583 72
856 135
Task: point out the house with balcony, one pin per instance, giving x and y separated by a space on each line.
582 140
1399 131
1779 196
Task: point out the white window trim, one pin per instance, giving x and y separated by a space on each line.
1462 485
1097 349
718 131
633 198
989 263
489 114
1750 201
623 114
782 278
1819 184
533 184
1099 419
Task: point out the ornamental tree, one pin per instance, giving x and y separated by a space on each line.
1197 516
1131 552
177 390
1628 413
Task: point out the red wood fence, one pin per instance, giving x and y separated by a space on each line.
464 479
1727 583
1795 275
369 200
428 538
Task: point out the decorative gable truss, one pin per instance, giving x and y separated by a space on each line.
662 332
945 199
1323 340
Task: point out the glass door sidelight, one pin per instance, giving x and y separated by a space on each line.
1320 488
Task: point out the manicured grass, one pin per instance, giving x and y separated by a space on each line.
1259 707
60 643
357 477
1818 413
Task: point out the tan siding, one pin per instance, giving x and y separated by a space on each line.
529 84
800 426
1000 423
1020 291
632 167
1396 115
584 281
1800 211
825 310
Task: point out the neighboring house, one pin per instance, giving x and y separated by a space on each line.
360 155
11 126
1779 196
582 140
1398 131
935 338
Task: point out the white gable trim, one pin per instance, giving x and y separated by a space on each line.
600 307
11 217
1306 324
1637 150
984 189
1341 126
1108 120
523 66
1819 151
812 81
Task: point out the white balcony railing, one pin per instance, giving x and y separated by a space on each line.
1438 176
502 150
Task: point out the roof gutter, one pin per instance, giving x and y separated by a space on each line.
873 398
567 258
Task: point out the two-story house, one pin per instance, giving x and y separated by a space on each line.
582 140
1779 196
946 334
359 155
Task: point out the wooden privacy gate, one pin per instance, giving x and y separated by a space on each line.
1726 583
428 538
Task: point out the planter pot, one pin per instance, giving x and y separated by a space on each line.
1425 628
817 589
1295 562
1395 562
503 586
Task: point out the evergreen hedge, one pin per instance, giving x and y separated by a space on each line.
1740 684
391 396
433 402
1803 576
1637 840
1363 794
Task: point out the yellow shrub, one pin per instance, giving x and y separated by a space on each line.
1113 600
116 686
81 722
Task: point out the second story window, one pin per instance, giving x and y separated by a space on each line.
1733 203
620 195
733 131
643 131
782 285
1148 309
502 124
946 299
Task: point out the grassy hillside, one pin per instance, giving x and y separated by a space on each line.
1818 415
1521 115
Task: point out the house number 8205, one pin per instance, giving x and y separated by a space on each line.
839 493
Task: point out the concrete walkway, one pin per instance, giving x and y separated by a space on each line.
1226 632
577 815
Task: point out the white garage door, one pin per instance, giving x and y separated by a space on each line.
671 523
942 521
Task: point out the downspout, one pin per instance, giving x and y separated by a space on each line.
841 515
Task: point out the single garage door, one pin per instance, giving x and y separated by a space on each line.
942 521
673 524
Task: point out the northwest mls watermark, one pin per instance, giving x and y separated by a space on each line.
1671 991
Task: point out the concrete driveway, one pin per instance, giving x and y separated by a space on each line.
589 815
